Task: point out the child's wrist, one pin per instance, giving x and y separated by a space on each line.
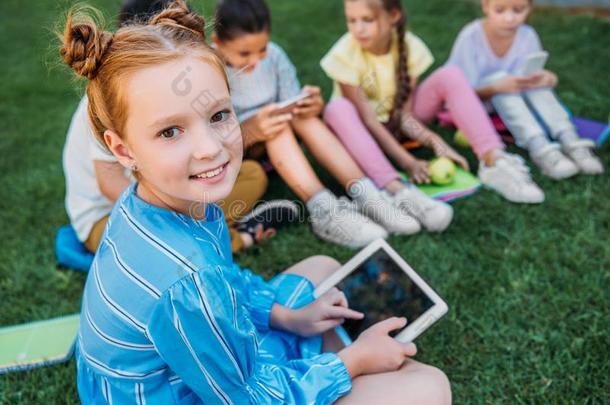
352 361
408 163
280 317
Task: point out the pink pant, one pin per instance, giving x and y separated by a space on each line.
445 86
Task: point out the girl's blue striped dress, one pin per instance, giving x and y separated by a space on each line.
168 318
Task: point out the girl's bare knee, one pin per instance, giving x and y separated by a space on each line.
433 386
321 268
315 268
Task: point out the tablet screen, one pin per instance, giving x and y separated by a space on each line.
380 289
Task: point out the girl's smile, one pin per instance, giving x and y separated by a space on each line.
211 176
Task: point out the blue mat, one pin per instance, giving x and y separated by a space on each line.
70 252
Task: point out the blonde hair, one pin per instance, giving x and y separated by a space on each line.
107 60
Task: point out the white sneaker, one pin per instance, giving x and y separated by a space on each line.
337 221
434 215
510 177
553 163
581 153
370 202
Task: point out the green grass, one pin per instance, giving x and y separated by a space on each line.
528 287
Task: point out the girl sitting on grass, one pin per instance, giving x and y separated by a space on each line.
491 51
167 316
377 103
261 75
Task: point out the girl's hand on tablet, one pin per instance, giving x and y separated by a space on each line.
325 313
375 351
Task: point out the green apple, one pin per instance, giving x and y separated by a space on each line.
441 171
460 139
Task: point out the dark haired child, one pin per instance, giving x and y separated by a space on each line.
262 75
492 51
378 102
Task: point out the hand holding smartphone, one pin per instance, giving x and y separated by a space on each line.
288 106
534 63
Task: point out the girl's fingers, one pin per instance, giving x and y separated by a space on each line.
305 102
281 118
338 298
268 110
303 111
461 161
423 177
410 349
337 312
323 326
311 89
274 130
390 324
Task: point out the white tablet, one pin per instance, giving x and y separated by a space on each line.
534 62
380 284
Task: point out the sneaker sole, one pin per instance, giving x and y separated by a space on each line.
259 209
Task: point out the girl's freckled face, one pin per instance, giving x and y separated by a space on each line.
182 133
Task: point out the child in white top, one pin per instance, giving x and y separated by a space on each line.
491 52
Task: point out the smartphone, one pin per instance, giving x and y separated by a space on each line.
289 105
534 62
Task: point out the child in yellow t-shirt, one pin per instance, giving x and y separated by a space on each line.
377 103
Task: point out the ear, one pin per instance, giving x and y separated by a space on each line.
119 149
216 40
485 6
395 16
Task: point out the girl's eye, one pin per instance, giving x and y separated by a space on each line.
499 10
169 133
220 116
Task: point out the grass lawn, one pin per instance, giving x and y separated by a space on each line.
528 287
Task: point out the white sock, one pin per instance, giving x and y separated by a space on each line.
320 202
567 137
537 143
362 189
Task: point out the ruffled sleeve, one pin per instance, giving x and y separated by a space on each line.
343 63
256 294
420 57
203 332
